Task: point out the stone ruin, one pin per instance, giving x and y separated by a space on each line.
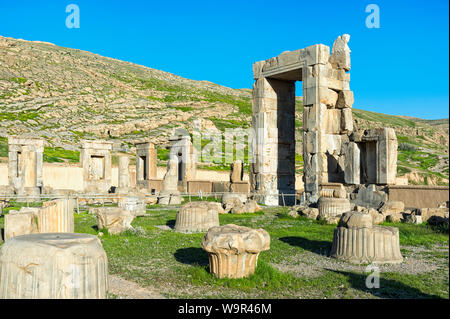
55 216
95 158
170 195
25 159
334 151
198 216
53 266
184 152
233 250
358 241
145 164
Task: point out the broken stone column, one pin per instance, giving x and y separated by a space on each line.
169 194
358 241
133 204
25 159
56 216
53 266
115 219
233 250
330 209
21 222
145 164
95 158
197 217
124 175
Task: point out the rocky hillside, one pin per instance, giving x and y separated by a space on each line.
66 95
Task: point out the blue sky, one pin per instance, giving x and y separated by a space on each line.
401 68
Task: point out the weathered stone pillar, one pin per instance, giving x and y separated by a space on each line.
56 216
169 194
273 170
124 174
53 266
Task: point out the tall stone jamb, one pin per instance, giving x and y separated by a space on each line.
95 158
25 160
145 164
124 175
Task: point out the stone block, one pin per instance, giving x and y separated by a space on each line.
357 241
53 266
116 220
345 99
197 217
233 250
19 223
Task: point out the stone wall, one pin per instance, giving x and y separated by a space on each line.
419 196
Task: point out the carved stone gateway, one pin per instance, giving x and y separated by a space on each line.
182 149
331 152
25 159
145 164
95 158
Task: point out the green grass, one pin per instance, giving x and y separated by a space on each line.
389 120
59 155
18 116
3 147
175 264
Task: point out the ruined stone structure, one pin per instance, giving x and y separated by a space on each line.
95 158
25 158
21 222
169 194
333 151
357 240
145 164
197 217
124 175
115 219
53 266
56 216
233 250
182 149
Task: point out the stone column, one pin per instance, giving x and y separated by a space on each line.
124 174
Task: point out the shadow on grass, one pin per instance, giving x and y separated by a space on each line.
388 288
171 223
192 256
316 246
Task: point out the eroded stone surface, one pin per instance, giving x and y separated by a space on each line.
53 266
233 250
115 219
197 216
356 240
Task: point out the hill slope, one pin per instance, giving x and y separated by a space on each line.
66 95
